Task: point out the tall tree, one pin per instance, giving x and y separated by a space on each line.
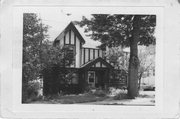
34 34
125 30
38 52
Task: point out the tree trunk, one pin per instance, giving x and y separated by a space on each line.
140 80
134 61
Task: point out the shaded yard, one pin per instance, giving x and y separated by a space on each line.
71 99
100 98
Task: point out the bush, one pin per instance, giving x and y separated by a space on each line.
120 96
33 91
117 93
99 93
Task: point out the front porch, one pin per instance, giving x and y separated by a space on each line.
95 74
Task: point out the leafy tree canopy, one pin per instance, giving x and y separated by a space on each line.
34 34
38 52
114 29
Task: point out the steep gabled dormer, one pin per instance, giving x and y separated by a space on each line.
71 37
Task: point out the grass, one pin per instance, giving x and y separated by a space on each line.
146 96
90 97
71 99
120 96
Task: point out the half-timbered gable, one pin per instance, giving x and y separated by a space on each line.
96 63
72 38
88 54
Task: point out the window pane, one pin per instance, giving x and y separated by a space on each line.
91 76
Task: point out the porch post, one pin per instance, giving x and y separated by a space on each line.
107 79
85 79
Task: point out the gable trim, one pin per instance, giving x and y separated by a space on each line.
93 62
70 27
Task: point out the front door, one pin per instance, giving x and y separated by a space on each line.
100 78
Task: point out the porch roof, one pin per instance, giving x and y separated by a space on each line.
94 61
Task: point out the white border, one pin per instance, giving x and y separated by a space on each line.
17 59
12 107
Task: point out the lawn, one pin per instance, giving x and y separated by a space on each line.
99 98
71 99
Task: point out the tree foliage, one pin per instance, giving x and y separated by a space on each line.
117 57
123 30
55 56
38 52
114 30
34 33
146 56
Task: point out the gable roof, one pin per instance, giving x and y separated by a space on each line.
94 61
70 26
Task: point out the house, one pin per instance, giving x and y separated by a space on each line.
89 68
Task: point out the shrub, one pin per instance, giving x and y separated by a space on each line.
100 93
120 96
34 91
117 93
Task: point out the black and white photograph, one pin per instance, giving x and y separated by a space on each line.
88 59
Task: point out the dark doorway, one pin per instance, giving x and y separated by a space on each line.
100 79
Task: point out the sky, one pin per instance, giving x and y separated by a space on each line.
58 19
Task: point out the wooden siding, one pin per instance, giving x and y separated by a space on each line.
88 54
100 53
91 54
78 52
98 64
96 54
103 65
70 38
82 55
67 38
62 42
